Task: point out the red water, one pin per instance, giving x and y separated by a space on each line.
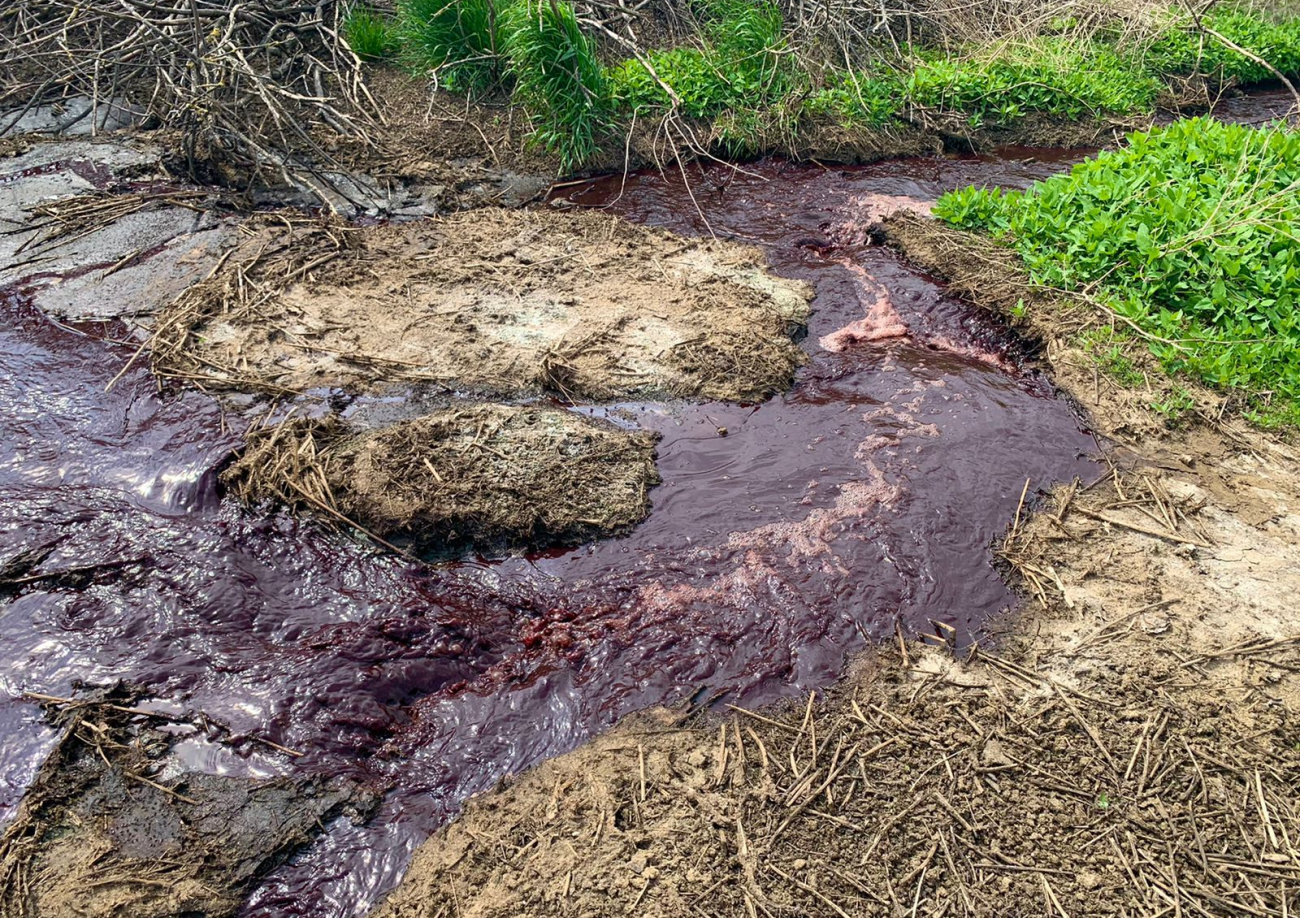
865 497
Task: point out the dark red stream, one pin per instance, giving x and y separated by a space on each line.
866 496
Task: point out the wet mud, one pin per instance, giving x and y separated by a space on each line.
118 824
785 536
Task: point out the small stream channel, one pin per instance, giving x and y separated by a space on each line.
865 497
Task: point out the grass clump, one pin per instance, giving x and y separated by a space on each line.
456 39
369 34
1189 235
558 74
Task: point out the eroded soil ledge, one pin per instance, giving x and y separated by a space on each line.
1130 748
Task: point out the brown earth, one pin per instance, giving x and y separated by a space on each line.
1131 749
115 827
472 474
497 302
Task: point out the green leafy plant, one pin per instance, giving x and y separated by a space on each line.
857 99
1189 233
368 34
1190 49
458 39
1053 77
738 68
558 75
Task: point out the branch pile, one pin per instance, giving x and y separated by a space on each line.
255 90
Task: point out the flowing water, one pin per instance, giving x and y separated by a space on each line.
784 537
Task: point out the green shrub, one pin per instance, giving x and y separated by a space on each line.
456 38
857 99
368 34
740 66
1053 77
1190 233
1188 50
558 76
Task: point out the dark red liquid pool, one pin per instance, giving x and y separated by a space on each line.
864 498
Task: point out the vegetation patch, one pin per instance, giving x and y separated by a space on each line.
747 76
1187 235
1208 49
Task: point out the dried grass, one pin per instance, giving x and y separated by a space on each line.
927 787
246 279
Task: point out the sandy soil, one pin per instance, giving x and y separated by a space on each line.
497 302
1129 748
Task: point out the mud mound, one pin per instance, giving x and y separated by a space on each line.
493 301
114 827
477 474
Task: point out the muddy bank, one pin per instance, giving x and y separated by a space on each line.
490 476
117 823
497 302
1130 746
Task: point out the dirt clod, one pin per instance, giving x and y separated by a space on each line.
476 474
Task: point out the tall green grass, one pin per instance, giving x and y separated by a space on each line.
457 39
1190 232
369 34
558 75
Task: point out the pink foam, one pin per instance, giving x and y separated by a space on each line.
812 536
881 322
865 211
